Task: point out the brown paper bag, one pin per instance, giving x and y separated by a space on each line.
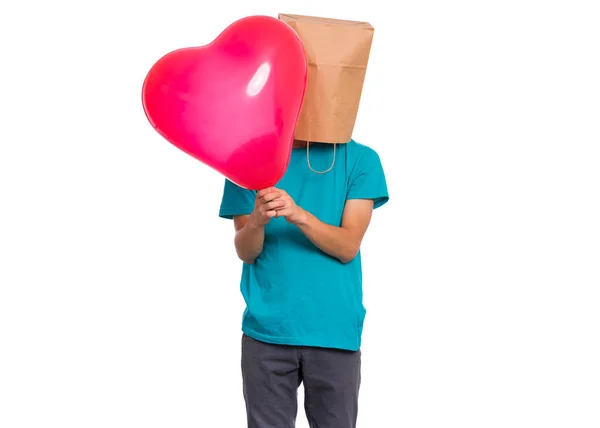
338 54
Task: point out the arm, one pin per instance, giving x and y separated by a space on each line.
342 242
250 229
367 191
249 238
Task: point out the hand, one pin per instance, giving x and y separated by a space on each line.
265 206
285 206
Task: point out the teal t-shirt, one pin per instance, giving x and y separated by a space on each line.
296 294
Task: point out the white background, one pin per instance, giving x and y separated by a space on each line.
119 299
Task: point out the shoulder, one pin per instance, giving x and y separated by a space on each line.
367 177
359 153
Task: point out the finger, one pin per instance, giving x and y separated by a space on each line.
263 192
283 212
271 196
265 209
276 204
271 213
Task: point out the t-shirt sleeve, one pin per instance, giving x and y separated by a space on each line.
367 180
236 201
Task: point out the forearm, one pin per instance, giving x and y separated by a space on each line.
249 241
335 241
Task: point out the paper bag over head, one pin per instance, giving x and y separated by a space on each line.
338 54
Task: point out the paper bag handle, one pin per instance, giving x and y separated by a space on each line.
308 159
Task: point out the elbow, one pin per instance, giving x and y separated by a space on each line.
348 255
246 258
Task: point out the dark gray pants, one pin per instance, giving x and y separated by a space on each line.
272 374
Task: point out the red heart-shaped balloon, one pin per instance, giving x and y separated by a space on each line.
234 103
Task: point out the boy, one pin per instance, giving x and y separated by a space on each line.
302 283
